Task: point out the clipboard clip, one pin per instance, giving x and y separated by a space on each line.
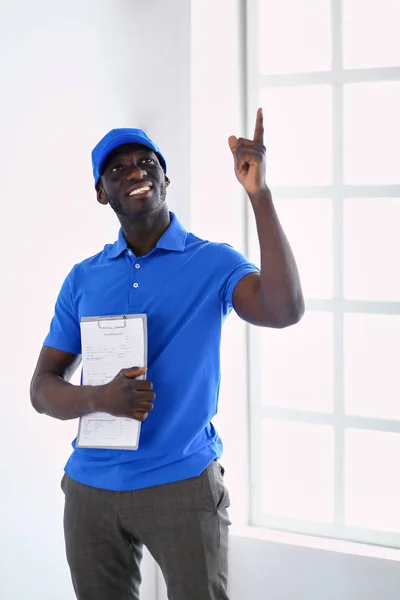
100 323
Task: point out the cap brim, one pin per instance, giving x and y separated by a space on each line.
121 140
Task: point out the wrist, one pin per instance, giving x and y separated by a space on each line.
261 195
96 398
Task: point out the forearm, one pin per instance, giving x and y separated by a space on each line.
55 397
280 282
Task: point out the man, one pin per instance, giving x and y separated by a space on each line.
169 495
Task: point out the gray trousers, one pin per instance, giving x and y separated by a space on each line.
184 525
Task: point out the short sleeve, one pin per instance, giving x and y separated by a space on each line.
65 331
231 267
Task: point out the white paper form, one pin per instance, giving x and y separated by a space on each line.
110 344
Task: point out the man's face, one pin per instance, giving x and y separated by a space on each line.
132 182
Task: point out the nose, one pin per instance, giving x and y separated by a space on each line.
134 172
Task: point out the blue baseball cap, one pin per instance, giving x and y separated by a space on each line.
118 137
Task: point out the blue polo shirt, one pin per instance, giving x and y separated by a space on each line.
185 286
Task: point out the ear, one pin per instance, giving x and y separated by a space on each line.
167 181
101 195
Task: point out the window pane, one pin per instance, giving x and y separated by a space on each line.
297 364
301 42
371 248
298 133
371 33
372 480
297 467
313 252
371 359
372 133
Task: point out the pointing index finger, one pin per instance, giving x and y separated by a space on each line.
259 128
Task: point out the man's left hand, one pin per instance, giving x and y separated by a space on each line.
250 159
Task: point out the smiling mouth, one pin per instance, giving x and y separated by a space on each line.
141 190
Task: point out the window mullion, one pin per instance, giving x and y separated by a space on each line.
338 368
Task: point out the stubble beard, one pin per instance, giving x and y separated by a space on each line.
124 211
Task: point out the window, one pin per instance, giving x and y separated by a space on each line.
325 394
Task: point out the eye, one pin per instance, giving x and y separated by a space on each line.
147 161
116 168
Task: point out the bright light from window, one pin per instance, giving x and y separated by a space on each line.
294 36
372 133
297 364
371 362
371 248
372 483
325 421
298 135
314 251
297 469
371 33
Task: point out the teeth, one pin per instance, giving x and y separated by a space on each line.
139 190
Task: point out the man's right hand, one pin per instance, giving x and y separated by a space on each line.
128 396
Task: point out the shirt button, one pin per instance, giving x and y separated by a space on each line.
135 285
137 266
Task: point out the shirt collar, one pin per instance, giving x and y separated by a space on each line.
173 238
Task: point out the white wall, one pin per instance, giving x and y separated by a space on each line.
70 71
218 204
280 571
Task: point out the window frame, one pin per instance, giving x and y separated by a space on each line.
337 77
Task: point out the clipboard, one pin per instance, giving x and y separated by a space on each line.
109 344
